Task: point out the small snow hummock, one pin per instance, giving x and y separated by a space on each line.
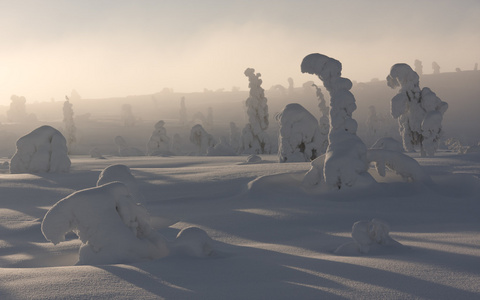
42 150
300 139
253 158
192 241
367 235
345 161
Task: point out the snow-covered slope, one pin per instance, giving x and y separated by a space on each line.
272 237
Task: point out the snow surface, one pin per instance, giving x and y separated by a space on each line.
272 238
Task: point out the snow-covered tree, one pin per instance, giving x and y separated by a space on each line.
42 150
300 138
183 112
222 148
18 110
254 135
419 112
70 128
345 162
324 121
159 142
436 68
127 116
122 173
202 139
418 67
209 118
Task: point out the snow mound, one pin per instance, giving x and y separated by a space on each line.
192 241
367 235
111 226
42 150
402 164
300 139
159 143
253 158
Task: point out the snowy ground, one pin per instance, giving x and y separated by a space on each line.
273 239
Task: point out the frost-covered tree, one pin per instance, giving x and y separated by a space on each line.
418 67
436 68
42 150
70 129
254 135
159 142
324 121
345 162
183 112
18 110
291 86
419 111
127 116
202 139
300 139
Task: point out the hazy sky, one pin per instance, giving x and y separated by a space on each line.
107 48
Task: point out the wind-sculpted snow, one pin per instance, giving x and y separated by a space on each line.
42 150
300 139
345 160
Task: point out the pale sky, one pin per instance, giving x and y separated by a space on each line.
106 48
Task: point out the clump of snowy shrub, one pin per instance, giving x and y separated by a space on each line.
345 161
202 139
419 112
42 150
300 139
367 235
159 142
124 149
254 136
